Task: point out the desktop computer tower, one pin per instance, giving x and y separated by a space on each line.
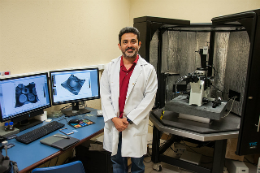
93 160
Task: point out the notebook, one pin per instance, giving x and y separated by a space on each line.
60 141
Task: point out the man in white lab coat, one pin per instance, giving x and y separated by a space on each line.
128 89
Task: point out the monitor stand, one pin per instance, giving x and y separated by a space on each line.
26 124
27 121
75 110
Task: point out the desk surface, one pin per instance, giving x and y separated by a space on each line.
193 135
29 156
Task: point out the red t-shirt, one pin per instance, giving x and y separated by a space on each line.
123 83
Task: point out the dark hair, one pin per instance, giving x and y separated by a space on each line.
129 30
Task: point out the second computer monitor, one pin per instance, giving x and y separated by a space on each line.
73 86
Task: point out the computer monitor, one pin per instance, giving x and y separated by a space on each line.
24 96
74 86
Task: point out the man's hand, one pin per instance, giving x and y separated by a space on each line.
120 123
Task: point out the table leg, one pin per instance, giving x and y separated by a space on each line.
156 145
219 156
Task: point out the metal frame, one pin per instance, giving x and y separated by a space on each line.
247 144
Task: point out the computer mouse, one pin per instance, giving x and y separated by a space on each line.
74 121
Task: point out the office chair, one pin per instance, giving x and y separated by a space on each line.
75 167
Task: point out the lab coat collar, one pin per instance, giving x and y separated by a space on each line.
140 61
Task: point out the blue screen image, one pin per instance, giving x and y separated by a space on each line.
72 85
23 94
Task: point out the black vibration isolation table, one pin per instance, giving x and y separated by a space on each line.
32 155
220 139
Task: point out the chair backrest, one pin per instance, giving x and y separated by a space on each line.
72 167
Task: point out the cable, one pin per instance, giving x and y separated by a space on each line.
172 149
63 117
44 164
213 68
234 98
57 161
66 161
217 88
250 162
49 163
67 106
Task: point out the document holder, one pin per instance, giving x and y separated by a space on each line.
60 141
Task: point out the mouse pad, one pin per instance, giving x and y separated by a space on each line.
84 122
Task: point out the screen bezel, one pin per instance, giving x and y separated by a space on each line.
33 110
76 100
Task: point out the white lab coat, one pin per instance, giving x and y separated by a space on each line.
140 98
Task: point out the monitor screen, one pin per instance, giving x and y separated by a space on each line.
22 95
70 86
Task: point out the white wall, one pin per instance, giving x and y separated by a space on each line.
39 35
43 35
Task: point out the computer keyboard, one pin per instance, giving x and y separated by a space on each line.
39 132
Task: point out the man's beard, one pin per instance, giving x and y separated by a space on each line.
130 55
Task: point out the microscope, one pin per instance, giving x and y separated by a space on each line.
200 87
200 83
196 103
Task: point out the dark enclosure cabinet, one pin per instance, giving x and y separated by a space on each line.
233 60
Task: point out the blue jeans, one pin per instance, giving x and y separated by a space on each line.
120 163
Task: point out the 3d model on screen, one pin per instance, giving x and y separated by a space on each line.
25 94
73 84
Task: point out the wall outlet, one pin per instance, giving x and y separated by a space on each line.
5 73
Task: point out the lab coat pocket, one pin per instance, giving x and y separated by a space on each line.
141 143
108 132
142 128
141 136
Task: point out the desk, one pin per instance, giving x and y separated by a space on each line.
29 156
219 151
